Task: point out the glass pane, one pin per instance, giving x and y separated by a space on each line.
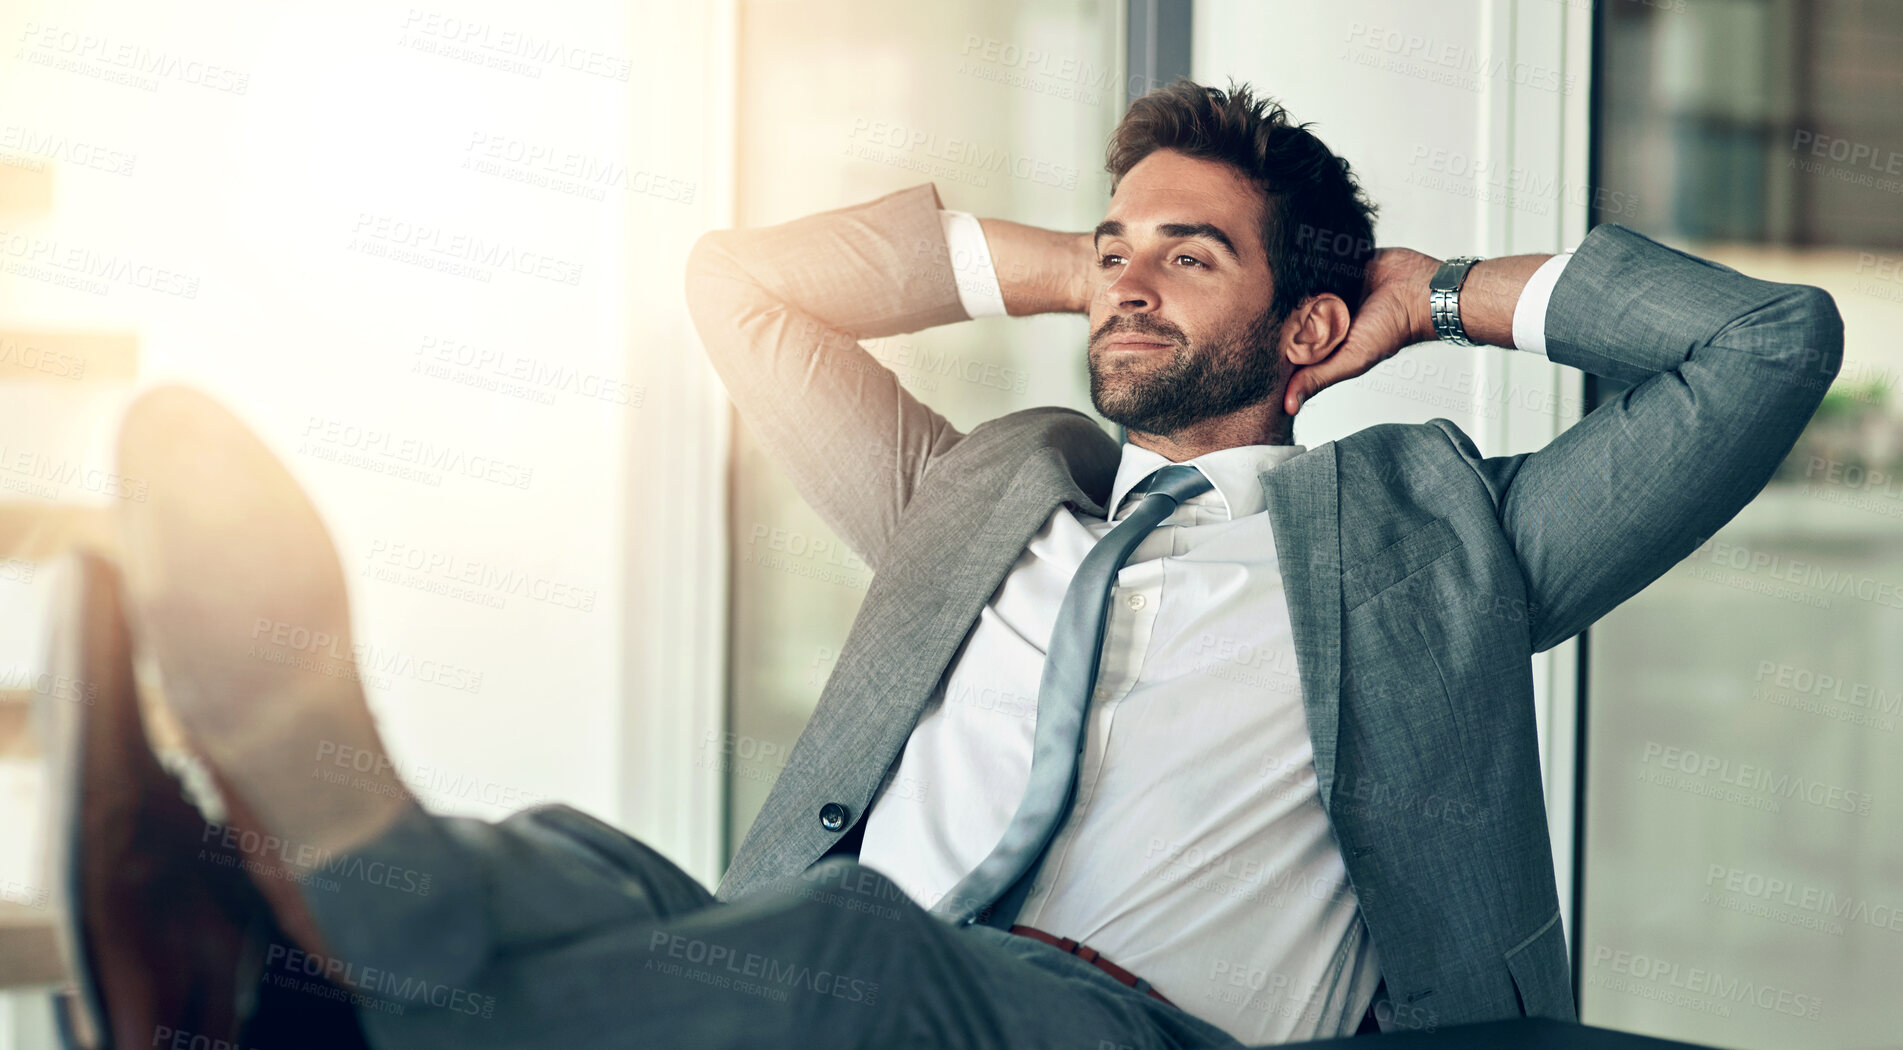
1743 878
1006 106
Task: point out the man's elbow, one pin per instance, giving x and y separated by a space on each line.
1825 327
1795 337
711 266
1813 334
721 289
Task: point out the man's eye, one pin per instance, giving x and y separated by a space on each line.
1191 258
1104 261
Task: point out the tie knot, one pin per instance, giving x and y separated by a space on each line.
1178 482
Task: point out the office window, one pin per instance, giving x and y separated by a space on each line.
1742 873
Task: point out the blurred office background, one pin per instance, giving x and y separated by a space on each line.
1767 135
435 253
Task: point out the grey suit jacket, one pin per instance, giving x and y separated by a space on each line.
1420 575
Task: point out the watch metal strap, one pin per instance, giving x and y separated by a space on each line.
1443 299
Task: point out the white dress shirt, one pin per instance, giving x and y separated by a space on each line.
1197 854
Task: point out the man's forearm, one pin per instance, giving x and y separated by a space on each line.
1487 298
1489 295
1040 271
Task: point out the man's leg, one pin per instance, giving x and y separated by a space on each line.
590 939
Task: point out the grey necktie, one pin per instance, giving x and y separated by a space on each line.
995 890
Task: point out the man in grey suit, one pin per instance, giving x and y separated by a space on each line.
1344 830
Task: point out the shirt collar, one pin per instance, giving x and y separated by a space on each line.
1235 474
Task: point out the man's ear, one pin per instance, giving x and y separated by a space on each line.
1315 329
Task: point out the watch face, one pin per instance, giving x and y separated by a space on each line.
1451 273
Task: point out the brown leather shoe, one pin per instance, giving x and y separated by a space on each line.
163 930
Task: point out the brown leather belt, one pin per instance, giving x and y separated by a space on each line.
1090 955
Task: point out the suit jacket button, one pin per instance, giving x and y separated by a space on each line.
832 816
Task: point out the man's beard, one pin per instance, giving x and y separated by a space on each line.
1236 369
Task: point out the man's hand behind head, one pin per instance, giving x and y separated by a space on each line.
1393 314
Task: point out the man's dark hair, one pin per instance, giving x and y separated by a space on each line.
1317 225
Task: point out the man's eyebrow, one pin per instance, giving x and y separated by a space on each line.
1113 228
1201 229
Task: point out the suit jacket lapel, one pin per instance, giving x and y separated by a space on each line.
1305 517
959 563
936 582
935 579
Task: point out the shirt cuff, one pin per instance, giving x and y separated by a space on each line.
1529 316
977 276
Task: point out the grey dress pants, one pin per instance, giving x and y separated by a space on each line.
553 929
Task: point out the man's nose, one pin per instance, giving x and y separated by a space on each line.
1133 290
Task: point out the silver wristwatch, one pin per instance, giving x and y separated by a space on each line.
1443 299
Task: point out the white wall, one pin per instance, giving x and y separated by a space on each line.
279 169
